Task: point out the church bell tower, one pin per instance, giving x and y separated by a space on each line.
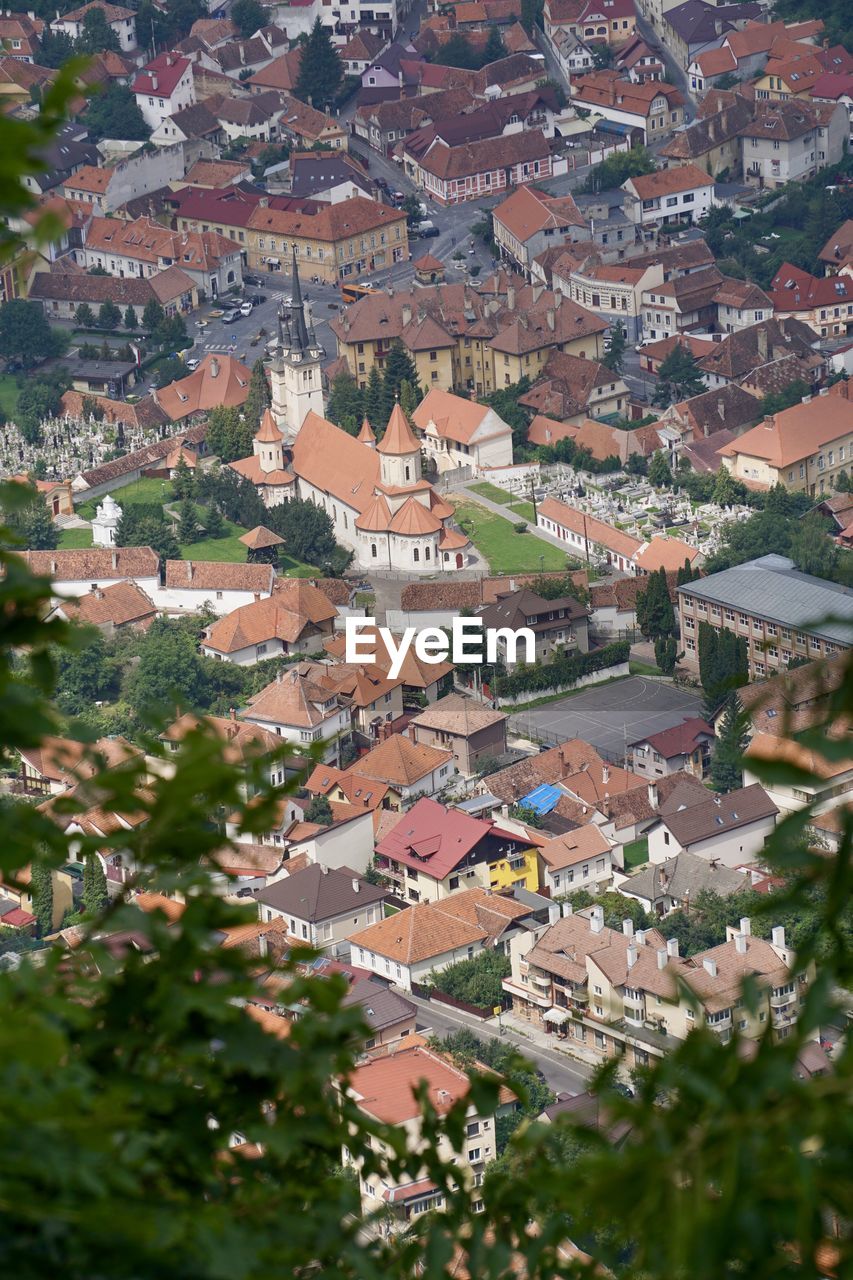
296 383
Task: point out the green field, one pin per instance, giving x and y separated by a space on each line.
491 491
524 510
73 539
636 853
293 568
506 551
148 489
8 394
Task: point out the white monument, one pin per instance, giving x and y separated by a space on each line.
105 522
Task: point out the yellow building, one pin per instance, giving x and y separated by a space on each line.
462 340
803 448
519 871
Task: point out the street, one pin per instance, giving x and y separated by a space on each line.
563 1074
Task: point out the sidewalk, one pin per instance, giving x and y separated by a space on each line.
526 1031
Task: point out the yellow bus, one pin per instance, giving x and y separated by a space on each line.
352 292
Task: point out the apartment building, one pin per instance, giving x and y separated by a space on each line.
622 993
669 195
649 111
559 626
776 609
163 86
824 303
122 23
528 222
791 141
804 448
689 302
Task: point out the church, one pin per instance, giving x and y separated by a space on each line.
381 507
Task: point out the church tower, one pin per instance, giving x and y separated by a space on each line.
268 445
295 376
400 452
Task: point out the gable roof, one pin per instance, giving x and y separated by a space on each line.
717 815
458 715
666 182
319 893
294 606
526 212
680 740
431 929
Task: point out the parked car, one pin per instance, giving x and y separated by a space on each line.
257 299
231 315
397 198
193 363
251 280
431 230
246 307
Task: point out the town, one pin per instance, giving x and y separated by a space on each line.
436 416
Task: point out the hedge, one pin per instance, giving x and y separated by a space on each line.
563 671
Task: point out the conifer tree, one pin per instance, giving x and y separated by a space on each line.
259 397
188 527
320 69
374 402
399 368
95 896
729 746
183 480
41 892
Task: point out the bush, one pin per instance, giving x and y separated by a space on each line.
563 672
521 527
477 981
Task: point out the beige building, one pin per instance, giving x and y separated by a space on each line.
804 448
471 730
456 432
610 993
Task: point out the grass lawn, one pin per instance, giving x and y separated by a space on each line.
230 549
9 394
636 853
73 539
524 509
293 568
506 550
148 489
491 491
638 668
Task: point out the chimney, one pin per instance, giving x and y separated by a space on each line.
710 966
740 944
356 887
605 774
672 948
640 937
721 410
631 956
324 870
778 935
745 925
550 318
628 928
114 559
553 913
596 919
761 342
232 711
662 957
214 367
558 299
406 314
510 297
712 130
189 571
154 83
653 795
566 909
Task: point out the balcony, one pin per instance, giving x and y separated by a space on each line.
778 1000
723 1024
541 979
783 1017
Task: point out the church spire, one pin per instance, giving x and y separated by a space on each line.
301 341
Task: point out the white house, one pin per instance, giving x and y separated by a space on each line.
321 905
730 829
163 86
193 584
669 195
122 22
457 432
578 859
296 707
75 573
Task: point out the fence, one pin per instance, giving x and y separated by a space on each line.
439 997
545 737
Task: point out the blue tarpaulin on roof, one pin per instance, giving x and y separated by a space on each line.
542 799
612 126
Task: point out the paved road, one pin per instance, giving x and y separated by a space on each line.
563 1074
609 716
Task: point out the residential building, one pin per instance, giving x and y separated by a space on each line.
803 448
791 141
295 707
780 612
528 222
673 885
792 70
163 86
591 20
218 380
573 56
613 993
826 784
764 345
835 88
433 852
560 626
573 390
122 23
578 859
731 829
612 290
713 142
690 28
588 536
294 619
456 432
423 682
62 291
331 177
469 729
459 337
649 111
57 765
142 248
390 1016
411 945
212 585
452 174
392 775
685 747
122 606
824 303
689 302
321 906
669 195
387 1090
74 573
20 35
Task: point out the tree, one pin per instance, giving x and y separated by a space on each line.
259 397
374 401
617 168
86 675
320 69
31 522
409 397
319 811
307 530
729 745
84 316
505 404
655 614
96 35
109 316
345 405
130 320
685 574
41 893
727 489
169 673
146 529
723 665
188 526
531 14
248 17
38 400
478 981
495 48
214 525
399 368
458 52
55 48
25 334
95 896
812 548
842 481
114 113
616 345
170 369
229 434
666 653
153 316
183 481
660 473
636 465
172 333
679 378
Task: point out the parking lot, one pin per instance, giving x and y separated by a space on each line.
610 715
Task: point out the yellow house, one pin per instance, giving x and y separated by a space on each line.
519 871
803 448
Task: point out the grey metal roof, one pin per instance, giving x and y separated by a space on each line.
381 1006
684 874
771 588
320 893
